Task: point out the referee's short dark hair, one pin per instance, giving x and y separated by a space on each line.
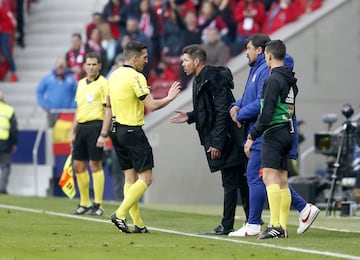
93 55
133 47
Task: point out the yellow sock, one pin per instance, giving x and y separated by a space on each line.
133 195
285 206
134 210
126 188
274 197
83 180
98 185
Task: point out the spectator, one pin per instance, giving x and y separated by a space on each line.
96 20
132 30
217 51
57 91
107 41
20 23
268 3
226 8
171 39
280 14
120 46
75 57
249 15
8 141
135 34
148 23
191 34
161 11
185 6
310 5
207 12
7 27
114 13
94 45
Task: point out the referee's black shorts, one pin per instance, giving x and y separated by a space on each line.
277 143
84 147
132 148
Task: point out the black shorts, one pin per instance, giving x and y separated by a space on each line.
84 147
132 148
277 143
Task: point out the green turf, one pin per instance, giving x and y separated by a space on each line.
34 235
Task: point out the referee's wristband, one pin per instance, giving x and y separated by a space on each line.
104 135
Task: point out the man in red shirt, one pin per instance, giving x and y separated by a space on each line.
7 27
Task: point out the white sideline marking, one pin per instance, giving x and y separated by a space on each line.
295 249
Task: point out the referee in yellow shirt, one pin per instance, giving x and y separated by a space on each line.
129 95
91 127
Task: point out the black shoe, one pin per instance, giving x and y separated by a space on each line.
273 232
219 230
82 210
96 210
139 230
120 223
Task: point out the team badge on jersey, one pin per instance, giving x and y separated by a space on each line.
90 97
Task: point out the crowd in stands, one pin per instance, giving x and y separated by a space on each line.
222 26
166 26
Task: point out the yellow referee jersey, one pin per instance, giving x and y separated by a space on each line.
90 98
126 85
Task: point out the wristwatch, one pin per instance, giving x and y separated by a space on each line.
104 135
249 137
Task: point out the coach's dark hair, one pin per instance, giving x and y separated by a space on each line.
133 48
195 51
93 55
277 48
258 40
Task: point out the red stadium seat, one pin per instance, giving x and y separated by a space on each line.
174 64
160 88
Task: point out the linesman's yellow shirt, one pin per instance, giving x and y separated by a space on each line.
90 98
126 86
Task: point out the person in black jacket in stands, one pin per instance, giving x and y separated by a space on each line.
219 136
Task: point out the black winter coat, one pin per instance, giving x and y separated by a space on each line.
212 98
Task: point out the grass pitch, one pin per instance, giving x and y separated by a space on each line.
42 228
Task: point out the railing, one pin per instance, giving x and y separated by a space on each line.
35 153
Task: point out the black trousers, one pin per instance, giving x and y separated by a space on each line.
234 181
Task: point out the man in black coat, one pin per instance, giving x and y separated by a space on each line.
219 136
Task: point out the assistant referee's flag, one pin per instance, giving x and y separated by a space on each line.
66 181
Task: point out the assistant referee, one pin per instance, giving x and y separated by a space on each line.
90 129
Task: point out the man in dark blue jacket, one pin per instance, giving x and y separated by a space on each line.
245 112
219 136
